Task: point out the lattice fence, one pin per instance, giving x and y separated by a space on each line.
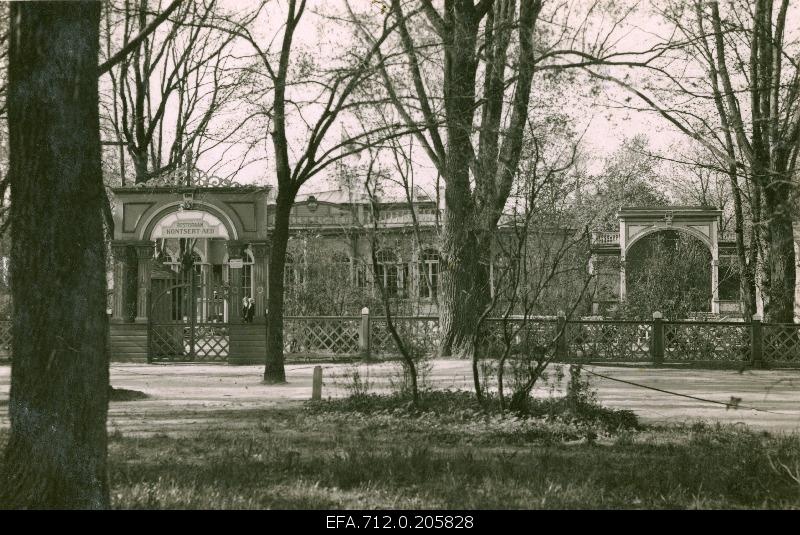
610 341
211 343
583 341
419 333
531 337
172 342
781 343
320 336
169 342
5 339
706 342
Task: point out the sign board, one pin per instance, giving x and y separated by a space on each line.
235 263
190 228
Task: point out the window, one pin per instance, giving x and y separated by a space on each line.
247 274
391 273
429 274
362 274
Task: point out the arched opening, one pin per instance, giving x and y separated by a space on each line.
668 271
191 286
191 263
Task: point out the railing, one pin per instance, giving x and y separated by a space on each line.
605 238
420 335
781 343
610 341
403 217
390 217
519 334
182 342
580 340
321 336
316 220
707 341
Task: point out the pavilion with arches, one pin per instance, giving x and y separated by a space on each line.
611 251
184 258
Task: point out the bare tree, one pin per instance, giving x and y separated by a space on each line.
403 346
731 84
464 74
535 251
56 454
771 144
167 98
287 99
4 15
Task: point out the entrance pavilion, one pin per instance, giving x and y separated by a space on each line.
184 258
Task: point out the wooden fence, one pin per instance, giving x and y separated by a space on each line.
656 341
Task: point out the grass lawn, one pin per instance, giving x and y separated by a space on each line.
375 452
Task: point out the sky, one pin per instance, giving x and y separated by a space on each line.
604 126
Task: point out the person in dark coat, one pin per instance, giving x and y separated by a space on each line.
249 310
245 302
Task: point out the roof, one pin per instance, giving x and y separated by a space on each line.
649 212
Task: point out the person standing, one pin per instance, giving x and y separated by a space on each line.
245 303
249 310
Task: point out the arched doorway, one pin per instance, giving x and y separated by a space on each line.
184 256
190 290
670 271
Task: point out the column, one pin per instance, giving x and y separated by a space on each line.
623 246
119 253
235 251
144 255
714 269
759 301
591 270
715 286
205 278
260 282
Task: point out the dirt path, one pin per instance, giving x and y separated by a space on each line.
190 396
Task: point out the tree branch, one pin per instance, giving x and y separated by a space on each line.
136 41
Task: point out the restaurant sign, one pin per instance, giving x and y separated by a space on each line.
191 228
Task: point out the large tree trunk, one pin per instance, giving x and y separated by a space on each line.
140 165
465 287
747 279
460 302
472 214
780 257
56 454
274 371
